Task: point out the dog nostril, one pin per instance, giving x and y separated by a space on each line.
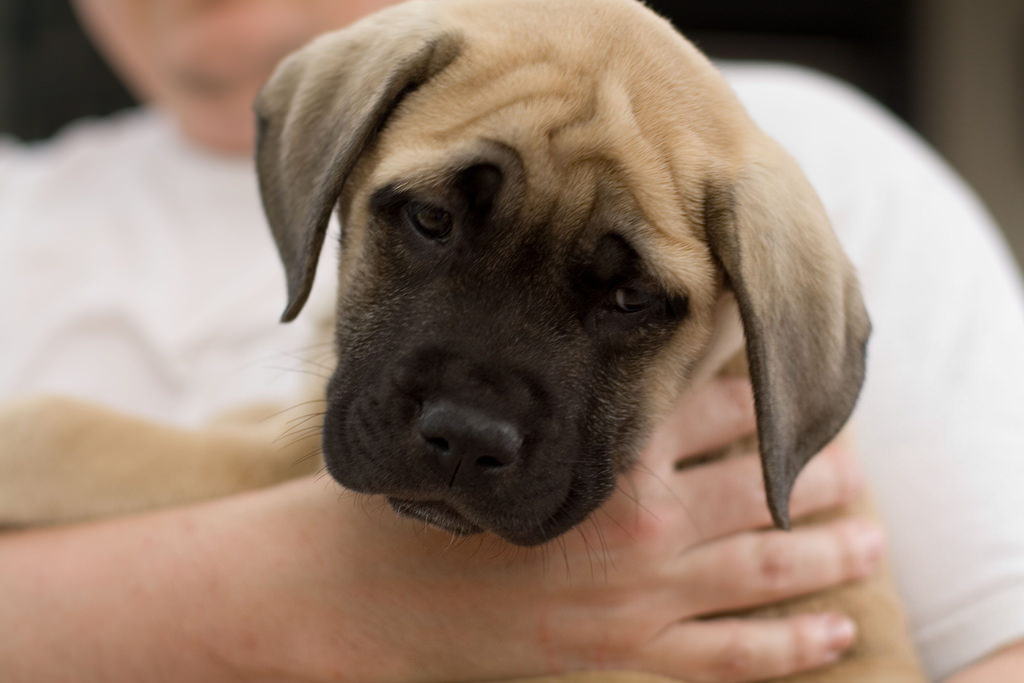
487 462
439 443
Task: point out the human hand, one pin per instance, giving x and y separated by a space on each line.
625 590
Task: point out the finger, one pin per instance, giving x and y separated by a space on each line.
710 416
734 650
727 496
832 478
761 568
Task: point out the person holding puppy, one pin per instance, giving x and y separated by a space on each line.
226 574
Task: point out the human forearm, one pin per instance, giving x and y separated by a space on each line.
185 594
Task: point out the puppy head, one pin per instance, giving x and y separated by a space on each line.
543 205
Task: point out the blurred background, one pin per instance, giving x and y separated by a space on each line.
952 69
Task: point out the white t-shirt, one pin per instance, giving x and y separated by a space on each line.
137 270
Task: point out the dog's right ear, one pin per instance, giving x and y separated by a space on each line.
318 113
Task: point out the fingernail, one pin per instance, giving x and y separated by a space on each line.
839 632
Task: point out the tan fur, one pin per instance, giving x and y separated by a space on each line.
63 459
618 114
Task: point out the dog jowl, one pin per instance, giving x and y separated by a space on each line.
537 233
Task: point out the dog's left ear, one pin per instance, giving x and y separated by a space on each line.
318 113
803 317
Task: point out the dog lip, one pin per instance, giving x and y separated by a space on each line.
434 512
445 517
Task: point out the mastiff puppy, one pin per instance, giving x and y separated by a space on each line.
555 217
548 211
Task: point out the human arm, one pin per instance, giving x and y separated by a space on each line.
303 582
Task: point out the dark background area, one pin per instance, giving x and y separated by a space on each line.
49 72
868 43
952 69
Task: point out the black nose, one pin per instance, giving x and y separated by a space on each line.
463 442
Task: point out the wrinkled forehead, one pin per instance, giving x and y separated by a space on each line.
576 204
578 156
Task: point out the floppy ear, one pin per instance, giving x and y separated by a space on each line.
803 317
318 113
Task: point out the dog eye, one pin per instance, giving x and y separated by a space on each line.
431 221
630 300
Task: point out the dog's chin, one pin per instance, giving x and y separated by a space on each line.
435 513
443 516
447 518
